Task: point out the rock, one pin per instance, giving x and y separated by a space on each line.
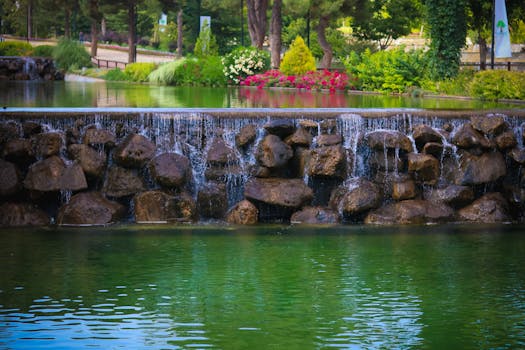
467 137
389 162
356 197
220 153
10 181
90 208
280 127
19 151
134 151
212 201
424 134
93 163
475 170
381 139
329 161
243 213
273 152
453 195
517 154
22 214
8 131
506 140
299 161
301 137
490 208
328 126
402 190
424 166
48 144
433 148
246 136
99 138
315 215
288 193
121 182
222 174
155 206
490 124
310 125
170 170
328 140
410 211
51 174
31 128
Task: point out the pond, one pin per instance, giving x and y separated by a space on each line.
279 287
113 94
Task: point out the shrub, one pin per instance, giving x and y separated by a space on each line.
453 86
139 71
70 55
212 71
206 44
165 73
245 61
15 48
43 51
116 74
498 84
298 59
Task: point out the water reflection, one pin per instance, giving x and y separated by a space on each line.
115 94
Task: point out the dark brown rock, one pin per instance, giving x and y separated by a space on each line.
453 195
222 173
121 182
212 201
22 214
273 152
381 139
246 135
410 212
467 137
220 153
475 170
170 170
402 190
315 215
10 181
19 151
48 144
517 154
356 197
389 162
301 137
280 127
90 208
134 151
424 134
506 140
433 148
328 162
51 174
92 162
328 126
31 128
489 124
289 193
424 166
491 208
328 140
99 138
8 131
157 206
243 213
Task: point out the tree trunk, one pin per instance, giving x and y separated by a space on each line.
179 34
95 15
326 61
275 33
67 23
29 19
257 21
132 32
103 27
482 53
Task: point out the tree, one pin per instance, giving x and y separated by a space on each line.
95 16
257 21
276 25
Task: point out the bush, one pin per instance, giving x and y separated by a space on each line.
454 86
139 72
498 84
206 44
190 71
388 71
70 55
15 48
245 61
298 59
116 74
212 71
43 51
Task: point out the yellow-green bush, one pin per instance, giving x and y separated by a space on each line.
298 59
15 48
139 71
498 84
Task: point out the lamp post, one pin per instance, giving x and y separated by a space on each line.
242 23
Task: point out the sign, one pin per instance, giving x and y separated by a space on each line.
163 21
501 31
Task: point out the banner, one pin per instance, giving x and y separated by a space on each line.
501 31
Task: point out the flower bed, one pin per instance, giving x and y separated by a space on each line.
314 80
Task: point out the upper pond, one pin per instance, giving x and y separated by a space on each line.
113 94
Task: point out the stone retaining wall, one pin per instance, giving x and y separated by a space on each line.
28 68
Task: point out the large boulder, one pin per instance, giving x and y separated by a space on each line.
506 140
92 162
122 182
404 188
467 137
301 137
489 124
170 170
424 167
212 200
410 211
273 152
19 151
48 144
90 208
22 214
378 160
99 138
288 193
157 206
517 155
246 135
220 154
280 127
328 162
315 215
328 140
243 213
356 197
490 208
10 181
51 174
134 151
424 134
391 139
475 170
452 195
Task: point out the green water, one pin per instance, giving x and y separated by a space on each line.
102 94
265 287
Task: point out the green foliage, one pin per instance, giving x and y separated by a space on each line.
459 85
190 71
517 34
165 39
165 73
139 72
116 74
70 55
245 61
498 84
212 71
448 29
206 44
15 48
387 71
298 59
43 51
